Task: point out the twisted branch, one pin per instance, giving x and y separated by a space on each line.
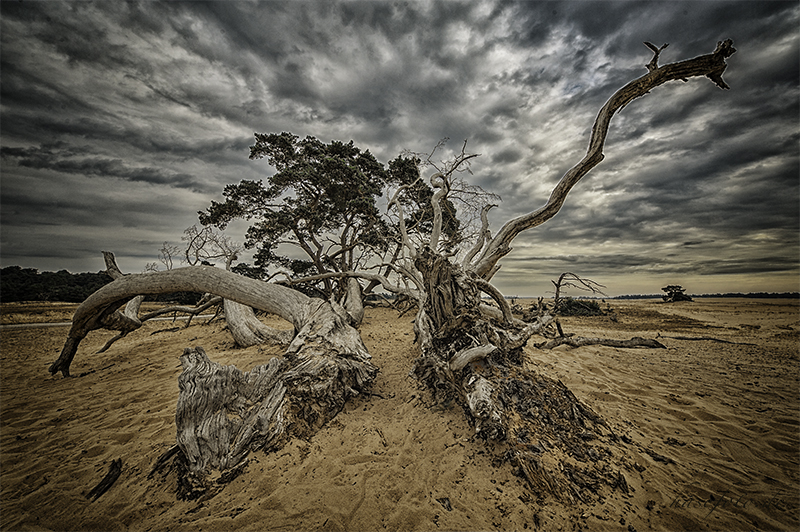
711 66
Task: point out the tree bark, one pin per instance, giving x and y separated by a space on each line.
224 413
247 330
472 354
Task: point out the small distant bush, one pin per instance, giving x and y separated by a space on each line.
675 292
576 307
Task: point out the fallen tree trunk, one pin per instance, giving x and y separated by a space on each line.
223 413
130 319
100 310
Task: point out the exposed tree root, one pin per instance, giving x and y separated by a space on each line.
223 413
553 440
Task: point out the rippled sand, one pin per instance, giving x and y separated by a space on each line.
711 424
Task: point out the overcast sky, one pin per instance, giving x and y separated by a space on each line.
119 121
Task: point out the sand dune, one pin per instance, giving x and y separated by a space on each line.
711 426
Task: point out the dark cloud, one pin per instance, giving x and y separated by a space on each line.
121 120
67 162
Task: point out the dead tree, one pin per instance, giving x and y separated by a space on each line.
224 413
467 351
507 403
571 280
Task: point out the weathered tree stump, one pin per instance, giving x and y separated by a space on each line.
224 413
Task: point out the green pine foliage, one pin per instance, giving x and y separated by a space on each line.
322 194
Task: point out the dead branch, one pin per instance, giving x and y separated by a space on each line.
711 66
704 339
183 309
579 341
100 309
488 288
484 236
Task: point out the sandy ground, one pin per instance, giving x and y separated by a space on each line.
726 416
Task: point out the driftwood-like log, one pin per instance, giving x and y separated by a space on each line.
579 341
129 320
224 413
100 310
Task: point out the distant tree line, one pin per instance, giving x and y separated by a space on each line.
29 284
753 295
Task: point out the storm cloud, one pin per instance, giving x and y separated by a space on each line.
119 121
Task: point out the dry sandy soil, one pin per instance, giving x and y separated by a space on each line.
711 426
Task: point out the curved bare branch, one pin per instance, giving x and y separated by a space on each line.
483 236
100 309
711 65
439 182
488 288
395 201
247 330
384 282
